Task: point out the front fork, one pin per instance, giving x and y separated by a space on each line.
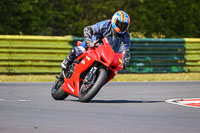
90 75
88 81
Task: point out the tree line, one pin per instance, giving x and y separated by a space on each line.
149 18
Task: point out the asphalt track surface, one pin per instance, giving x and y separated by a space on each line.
120 107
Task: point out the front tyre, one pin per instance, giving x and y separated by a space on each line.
89 90
57 92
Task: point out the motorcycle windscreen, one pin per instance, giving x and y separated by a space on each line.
116 44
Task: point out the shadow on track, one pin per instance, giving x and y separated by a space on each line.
120 101
124 101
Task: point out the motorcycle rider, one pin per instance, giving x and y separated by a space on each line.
93 34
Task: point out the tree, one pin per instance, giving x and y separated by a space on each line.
172 18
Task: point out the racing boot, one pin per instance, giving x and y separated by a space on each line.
74 53
69 59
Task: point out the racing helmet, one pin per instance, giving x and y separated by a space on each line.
120 22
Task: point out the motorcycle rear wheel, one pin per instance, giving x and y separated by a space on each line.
57 92
92 90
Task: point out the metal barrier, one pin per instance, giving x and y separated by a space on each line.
157 55
192 55
43 54
32 54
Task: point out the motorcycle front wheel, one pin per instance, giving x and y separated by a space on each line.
90 89
57 92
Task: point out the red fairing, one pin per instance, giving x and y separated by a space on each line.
102 54
113 59
74 81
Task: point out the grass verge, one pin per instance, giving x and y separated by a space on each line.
119 77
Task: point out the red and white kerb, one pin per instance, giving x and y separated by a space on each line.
189 102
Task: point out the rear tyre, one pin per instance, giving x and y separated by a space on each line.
57 92
89 90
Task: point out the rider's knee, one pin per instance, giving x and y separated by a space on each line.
79 50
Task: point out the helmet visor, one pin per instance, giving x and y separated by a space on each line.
122 26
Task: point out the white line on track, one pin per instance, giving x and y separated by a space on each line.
23 100
19 100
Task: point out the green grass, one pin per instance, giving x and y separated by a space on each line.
159 77
119 77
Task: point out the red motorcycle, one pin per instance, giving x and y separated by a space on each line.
90 71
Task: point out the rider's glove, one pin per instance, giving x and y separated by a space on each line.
126 56
90 44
